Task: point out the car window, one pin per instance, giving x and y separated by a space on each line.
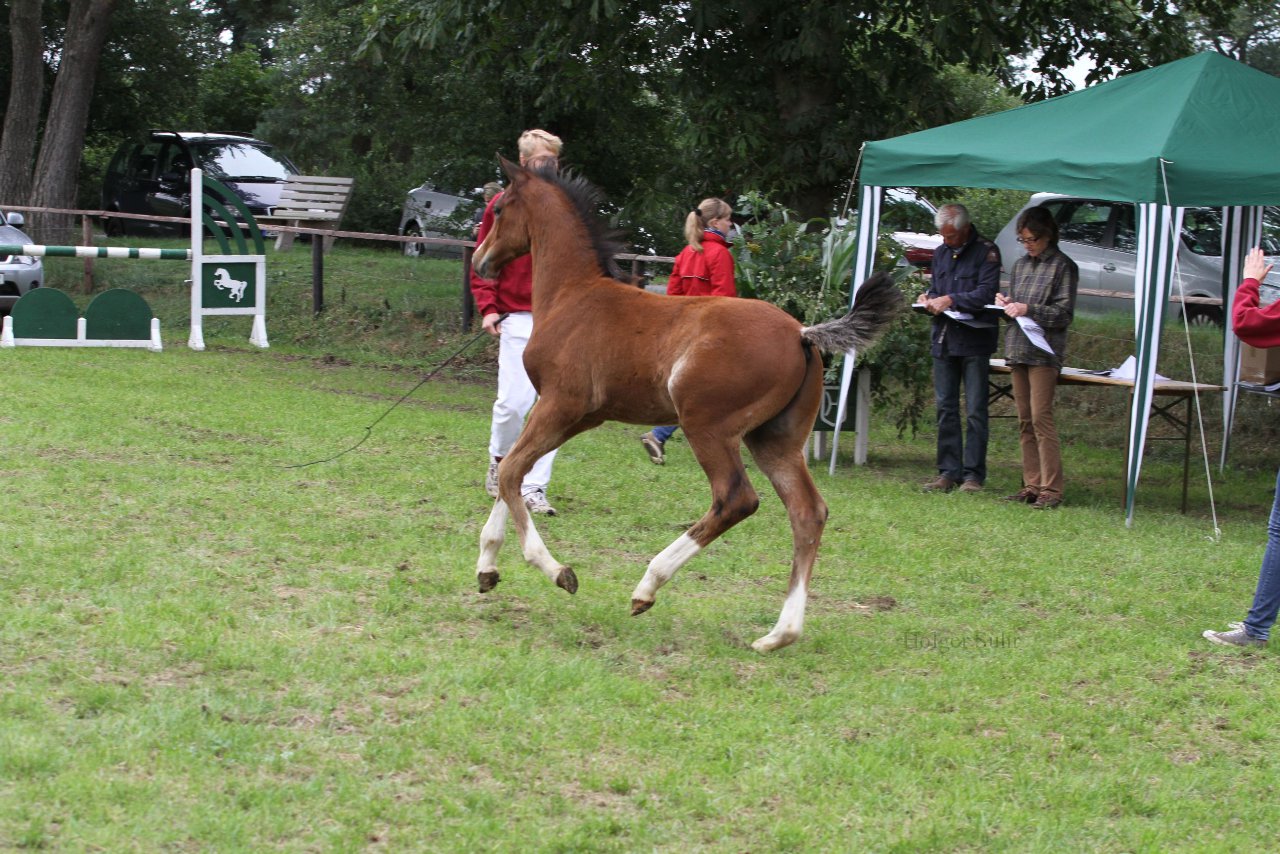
902 215
232 161
1202 231
1271 230
142 163
174 159
1084 221
1126 235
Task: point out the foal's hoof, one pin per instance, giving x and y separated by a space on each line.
639 606
566 580
488 580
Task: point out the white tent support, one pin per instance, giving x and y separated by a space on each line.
1158 230
1241 231
863 264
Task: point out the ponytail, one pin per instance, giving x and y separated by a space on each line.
698 218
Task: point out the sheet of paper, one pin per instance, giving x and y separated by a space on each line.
1128 370
1034 333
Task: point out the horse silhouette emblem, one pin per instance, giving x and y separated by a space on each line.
222 281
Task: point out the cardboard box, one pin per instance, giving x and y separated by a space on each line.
1259 365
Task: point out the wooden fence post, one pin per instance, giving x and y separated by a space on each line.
86 239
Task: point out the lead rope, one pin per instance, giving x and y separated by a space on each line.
368 431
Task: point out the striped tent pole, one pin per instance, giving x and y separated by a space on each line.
97 252
1158 230
863 265
1241 231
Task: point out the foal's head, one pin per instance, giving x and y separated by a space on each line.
528 198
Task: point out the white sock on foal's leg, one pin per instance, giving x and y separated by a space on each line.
491 537
790 622
660 571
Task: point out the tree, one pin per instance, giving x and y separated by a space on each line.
1251 34
58 164
26 95
780 96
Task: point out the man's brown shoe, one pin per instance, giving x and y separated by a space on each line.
1046 502
970 486
1026 495
939 484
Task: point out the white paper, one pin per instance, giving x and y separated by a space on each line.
1128 370
1035 333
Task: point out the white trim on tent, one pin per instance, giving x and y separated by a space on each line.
1241 231
863 266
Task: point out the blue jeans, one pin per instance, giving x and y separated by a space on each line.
1266 598
662 434
961 455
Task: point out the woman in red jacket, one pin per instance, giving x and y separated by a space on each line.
703 268
1260 326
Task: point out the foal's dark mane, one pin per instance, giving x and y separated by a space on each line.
586 199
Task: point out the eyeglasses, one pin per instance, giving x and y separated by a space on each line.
1027 241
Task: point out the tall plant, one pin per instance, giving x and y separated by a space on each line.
804 267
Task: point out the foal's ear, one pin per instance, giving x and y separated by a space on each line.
512 169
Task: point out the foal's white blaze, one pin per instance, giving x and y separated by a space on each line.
662 567
790 622
491 536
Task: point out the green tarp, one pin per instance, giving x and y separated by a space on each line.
1202 131
1213 121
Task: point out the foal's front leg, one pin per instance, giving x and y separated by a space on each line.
542 433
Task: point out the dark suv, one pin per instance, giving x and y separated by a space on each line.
153 176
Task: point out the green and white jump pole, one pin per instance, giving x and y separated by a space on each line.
231 282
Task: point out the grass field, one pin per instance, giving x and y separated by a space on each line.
202 649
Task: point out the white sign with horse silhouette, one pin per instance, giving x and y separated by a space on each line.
226 284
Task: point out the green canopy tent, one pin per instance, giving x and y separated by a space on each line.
1201 131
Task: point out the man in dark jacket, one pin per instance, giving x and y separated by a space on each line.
966 276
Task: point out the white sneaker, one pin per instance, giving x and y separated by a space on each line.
1235 637
536 501
491 479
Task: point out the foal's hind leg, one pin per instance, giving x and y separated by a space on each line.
733 499
782 460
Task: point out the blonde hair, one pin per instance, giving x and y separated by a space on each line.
537 142
696 222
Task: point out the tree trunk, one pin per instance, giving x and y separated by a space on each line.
58 165
26 91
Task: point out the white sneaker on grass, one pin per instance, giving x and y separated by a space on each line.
536 501
1233 637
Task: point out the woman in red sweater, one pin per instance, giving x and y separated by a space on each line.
1260 326
704 268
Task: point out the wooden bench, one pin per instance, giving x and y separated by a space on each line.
310 201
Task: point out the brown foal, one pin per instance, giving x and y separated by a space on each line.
728 371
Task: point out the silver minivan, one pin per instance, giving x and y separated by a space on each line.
1101 237
429 212
18 273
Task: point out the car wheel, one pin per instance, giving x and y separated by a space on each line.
1203 315
412 250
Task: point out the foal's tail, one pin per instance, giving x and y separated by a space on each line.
877 303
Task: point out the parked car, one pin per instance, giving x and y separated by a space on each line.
429 212
18 273
152 176
908 216
1101 237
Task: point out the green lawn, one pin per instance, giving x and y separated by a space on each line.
202 649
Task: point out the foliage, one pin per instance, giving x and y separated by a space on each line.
803 267
780 260
774 95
